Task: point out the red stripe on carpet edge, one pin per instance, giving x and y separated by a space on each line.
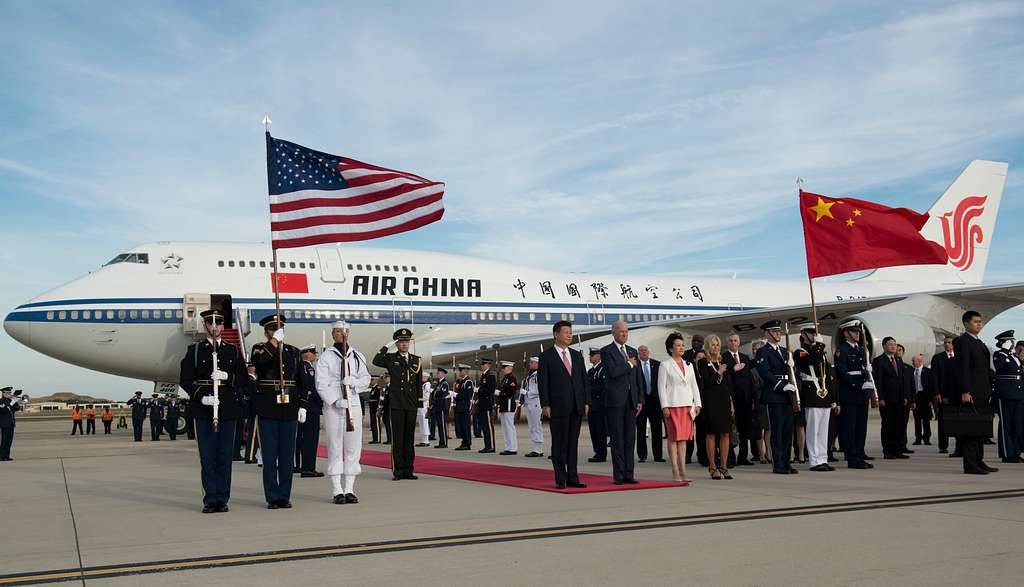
538 479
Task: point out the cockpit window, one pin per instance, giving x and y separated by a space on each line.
142 258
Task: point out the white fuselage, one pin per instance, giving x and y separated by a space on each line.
135 319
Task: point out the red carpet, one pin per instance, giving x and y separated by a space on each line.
524 477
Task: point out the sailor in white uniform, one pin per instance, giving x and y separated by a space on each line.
530 400
421 412
341 375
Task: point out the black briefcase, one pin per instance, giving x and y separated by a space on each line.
967 420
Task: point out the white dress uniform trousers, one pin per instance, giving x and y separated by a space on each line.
343 447
421 415
533 412
817 434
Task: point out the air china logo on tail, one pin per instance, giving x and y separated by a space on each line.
965 232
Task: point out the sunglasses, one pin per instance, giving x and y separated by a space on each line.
214 320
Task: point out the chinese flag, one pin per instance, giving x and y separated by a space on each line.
844 234
290 282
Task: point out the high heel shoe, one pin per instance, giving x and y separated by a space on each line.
714 473
725 473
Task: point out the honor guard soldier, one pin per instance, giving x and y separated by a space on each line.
856 390
507 393
404 396
171 416
341 375
385 407
530 399
156 417
596 420
421 412
279 409
252 432
1009 395
484 403
773 364
308 437
439 404
816 395
211 365
376 399
138 414
463 407
10 402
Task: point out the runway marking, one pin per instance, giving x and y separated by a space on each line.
231 560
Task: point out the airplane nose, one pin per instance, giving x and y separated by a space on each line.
20 331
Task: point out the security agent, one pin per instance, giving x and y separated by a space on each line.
483 403
171 416
308 436
856 391
156 417
596 417
463 403
404 396
1009 396
773 364
10 402
279 409
439 404
138 414
197 377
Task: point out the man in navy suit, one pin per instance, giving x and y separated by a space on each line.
623 401
562 383
652 407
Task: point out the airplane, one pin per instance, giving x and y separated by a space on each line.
135 316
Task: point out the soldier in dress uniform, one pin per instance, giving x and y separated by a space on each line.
279 410
376 399
1009 396
342 375
596 420
439 404
817 396
404 397
463 405
308 437
856 391
138 414
530 399
252 433
507 393
171 416
10 402
483 403
156 417
214 440
773 364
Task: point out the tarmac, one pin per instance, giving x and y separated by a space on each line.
109 511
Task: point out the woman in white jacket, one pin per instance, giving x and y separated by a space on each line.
680 403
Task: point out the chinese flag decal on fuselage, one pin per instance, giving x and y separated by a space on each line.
290 283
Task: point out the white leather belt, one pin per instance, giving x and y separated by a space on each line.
808 378
854 372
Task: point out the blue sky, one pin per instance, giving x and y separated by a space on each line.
679 126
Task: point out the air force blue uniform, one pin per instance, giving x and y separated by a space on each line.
8 407
463 402
138 416
1009 393
851 373
773 367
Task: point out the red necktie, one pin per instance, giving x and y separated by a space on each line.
893 359
565 361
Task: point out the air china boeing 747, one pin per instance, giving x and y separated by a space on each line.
135 316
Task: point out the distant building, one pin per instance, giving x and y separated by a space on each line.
65 400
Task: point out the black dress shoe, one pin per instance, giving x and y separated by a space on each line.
209 509
223 508
617 482
562 485
597 460
869 458
943 451
386 442
907 451
373 442
506 453
534 454
975 471
985 467
659 460
340 499
989 441
422 444
411 476
858 466
821 467
440 446
311 474
631 481
744 463
285 505
577 485
1012 460
396 477
463 448
296 470
641 460
272 506
927 442
832 459
485 450
917 442
955 455
792 471
351 498
830 467
780 471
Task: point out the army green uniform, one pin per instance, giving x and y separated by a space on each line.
405 397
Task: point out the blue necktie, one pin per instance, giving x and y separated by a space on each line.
647 376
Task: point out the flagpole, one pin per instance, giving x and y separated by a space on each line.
277 284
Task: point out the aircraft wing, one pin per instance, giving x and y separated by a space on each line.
990 300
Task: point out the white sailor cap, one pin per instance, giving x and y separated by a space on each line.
853 323
808 326
507 364
341 325
309 348
532 359
463 366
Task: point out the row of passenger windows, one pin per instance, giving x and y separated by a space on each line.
112 314
369 267
266 264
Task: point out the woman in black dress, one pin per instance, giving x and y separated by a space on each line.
716 398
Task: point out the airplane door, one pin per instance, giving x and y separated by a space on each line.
403 313
595 312
194 303
331 269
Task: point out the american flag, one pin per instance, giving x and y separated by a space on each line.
318 198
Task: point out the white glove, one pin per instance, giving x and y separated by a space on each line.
302 415
279 334
790 361
869 368
349 381
819 339
868 386
208 400
789 387
341 403
219 376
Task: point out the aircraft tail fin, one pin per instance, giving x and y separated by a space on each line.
963 220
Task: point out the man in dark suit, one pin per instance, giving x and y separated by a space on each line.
922 401
890 383
596 421
739 368
652 407
691 356
909 397
974 386
942 388
622 400
562 383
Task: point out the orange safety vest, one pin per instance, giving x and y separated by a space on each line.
76 414
90 414
107 416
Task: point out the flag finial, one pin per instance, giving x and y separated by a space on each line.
800 183
266 122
